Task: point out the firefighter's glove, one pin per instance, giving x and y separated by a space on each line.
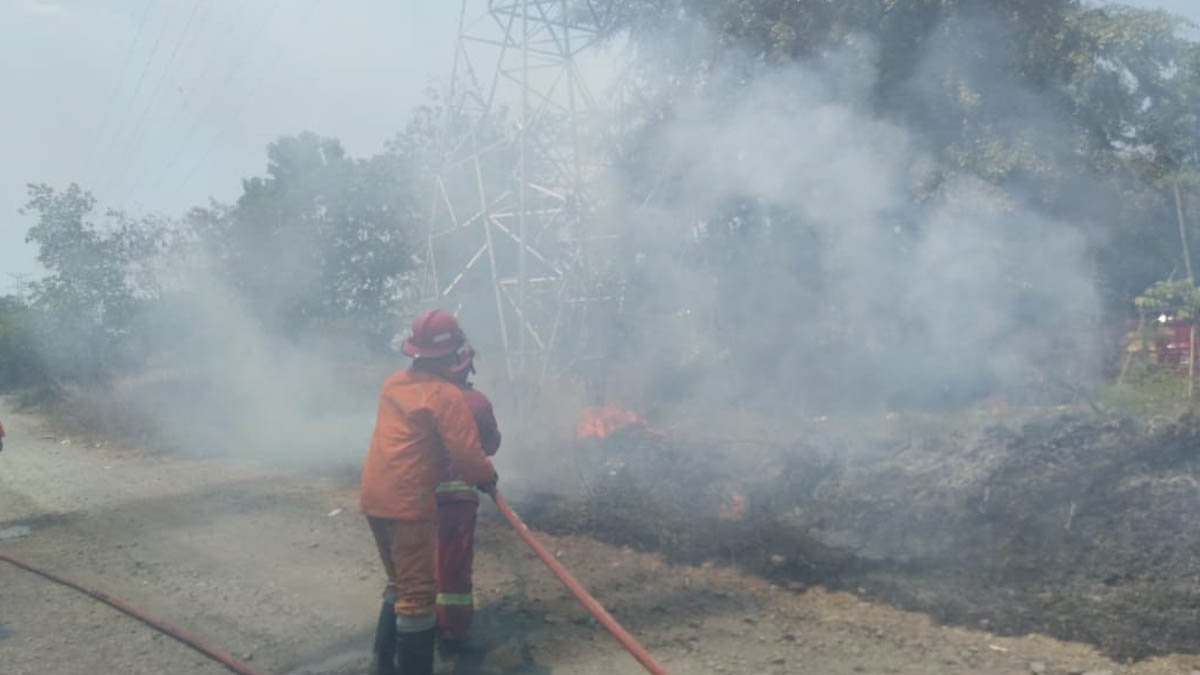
490 486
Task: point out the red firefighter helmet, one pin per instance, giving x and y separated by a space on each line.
435 334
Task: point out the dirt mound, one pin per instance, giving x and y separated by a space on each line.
1075 525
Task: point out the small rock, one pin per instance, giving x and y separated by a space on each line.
1037 667
248 656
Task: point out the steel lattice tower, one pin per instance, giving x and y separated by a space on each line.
512 225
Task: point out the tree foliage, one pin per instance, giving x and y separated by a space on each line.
20 360
320 244
98 276
1179 298
338 233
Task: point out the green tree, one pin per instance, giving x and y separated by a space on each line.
99 276
322 240
21 364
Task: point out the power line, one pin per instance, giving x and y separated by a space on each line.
236 114
235 65
112 98
139 126
188 38
187 103
137 90
231 25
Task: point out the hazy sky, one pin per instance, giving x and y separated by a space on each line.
156 105
159 104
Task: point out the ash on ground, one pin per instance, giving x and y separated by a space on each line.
1073 524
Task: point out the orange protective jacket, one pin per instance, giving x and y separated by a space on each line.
452 487
423 420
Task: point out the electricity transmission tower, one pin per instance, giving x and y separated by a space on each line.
514 227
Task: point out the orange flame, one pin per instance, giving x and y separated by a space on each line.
599 422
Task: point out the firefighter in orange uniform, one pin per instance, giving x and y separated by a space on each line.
423 423
457 506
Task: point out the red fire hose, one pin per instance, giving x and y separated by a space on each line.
159 625
627 641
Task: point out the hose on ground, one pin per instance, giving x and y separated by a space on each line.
597 610
159 625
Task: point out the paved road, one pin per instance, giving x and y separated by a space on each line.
243 555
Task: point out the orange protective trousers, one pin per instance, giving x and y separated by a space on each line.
455 556
408 549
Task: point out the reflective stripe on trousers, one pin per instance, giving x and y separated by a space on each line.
456 599
452 486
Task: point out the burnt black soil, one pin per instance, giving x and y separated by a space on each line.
1080 526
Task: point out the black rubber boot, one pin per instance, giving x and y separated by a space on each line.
383 656
415 652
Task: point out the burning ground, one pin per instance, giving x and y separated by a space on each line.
1068 523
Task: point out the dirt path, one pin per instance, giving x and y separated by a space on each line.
260 562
